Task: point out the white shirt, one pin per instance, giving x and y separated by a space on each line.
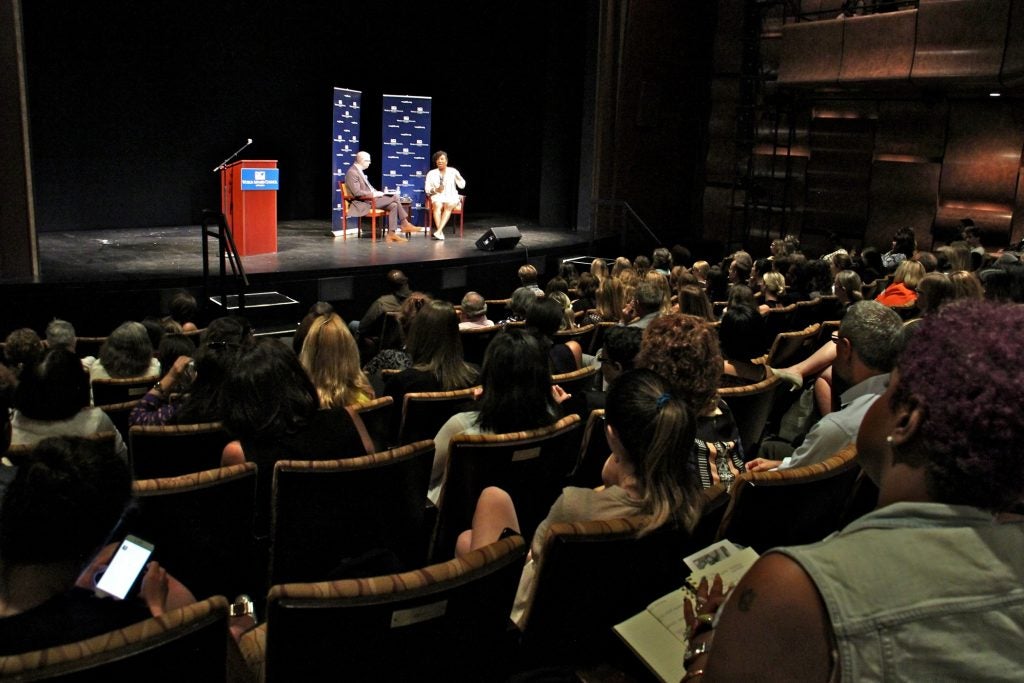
448 186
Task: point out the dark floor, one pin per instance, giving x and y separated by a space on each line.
303 246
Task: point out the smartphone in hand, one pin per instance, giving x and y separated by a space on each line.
125 568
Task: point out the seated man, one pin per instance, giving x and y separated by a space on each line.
370 326
367 198
869 340
645 306
474 312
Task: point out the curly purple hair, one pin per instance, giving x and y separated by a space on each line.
962 367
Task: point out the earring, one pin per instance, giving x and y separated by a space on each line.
888 439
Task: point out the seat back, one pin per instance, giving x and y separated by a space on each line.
566 621
89 346
778 320
441 622
378 416
789 348
577 381
532 466
188 643
475 341
119 414
170 450
583 335
597 340
326 513
751 405
424 413
107 391
790 507
202 527
594 450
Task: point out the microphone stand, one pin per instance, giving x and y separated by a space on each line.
228 160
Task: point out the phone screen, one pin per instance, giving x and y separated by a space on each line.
125 567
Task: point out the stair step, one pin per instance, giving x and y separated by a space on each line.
256 300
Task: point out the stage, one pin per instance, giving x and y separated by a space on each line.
98 278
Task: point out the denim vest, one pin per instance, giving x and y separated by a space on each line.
923 592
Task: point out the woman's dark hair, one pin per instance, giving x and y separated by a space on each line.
544 316
155 330
128 351
517 385
22 348
741 336
437 155
657 430
183 308
904 242
693 301
567 271
718 284
741 295
65 500
871 258
933 292
267 393
557 284
171 347
641 264
819 277
435 346
586 286
55 388
661 259
315 311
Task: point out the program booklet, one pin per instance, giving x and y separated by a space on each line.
658 634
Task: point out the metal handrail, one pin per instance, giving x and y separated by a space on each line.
227 254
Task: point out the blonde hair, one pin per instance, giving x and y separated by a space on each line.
774 283
661 282
610 299
331 358
909 273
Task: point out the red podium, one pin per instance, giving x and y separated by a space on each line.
248 199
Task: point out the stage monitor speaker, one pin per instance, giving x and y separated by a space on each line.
502 237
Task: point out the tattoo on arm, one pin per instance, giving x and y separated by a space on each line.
746 599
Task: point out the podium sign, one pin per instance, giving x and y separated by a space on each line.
248 200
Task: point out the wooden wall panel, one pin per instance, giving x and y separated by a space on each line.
902 194
878 47
960 39
1013 59
811 53
914 129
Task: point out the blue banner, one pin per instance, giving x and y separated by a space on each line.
260 178
406 148
345 143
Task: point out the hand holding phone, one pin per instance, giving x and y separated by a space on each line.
124 569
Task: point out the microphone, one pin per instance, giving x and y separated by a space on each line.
228 160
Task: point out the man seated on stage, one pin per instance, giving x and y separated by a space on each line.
474 312
367 198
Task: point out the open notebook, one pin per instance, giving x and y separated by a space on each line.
658 634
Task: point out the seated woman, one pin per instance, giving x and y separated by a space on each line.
773 288
331 358
684 350
397 359
742 339
609 302
544 317
647 427
586 287
272 408
435 347
128 352
315 311
189 393
62 507
442 185
847 288
693 301
52 399
937 565
516 395
903 289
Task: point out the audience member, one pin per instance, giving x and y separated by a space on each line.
128 352
934 291
520 301
847 288
773 288
645 306
544 318
684 350
331 358
22 348
61 508
315 311
599 269
904 244
609 303
528 277
967 285
742 337
184 310
371 325
473 312
869 340
693 301
586 288
661 261
903 289
61 333
52 399
517 395
937 563
647 427
271 408
397 358
172 347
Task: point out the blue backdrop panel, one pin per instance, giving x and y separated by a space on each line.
406 147
345 143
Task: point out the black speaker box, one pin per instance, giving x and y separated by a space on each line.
502 237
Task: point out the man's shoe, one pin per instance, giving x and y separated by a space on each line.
395 237
409 228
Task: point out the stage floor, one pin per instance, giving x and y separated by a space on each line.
304 246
